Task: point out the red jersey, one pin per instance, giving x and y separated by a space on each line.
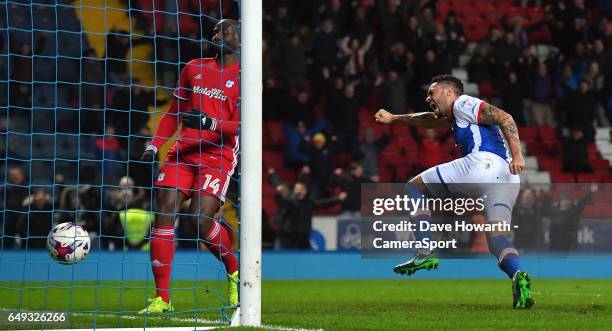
214 90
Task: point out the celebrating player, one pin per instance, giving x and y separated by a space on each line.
201 162
488 168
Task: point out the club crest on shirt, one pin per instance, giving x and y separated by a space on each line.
229 83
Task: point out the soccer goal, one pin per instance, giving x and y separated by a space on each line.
84 86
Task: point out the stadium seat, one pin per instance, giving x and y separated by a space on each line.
562 177
460 73
604 147
601 210
268 190
269 205
549 163
471 89
602 134
443 8
540 177
531 162
592 149
547 134
588 178
273 133
600 164
534 147
476 33
332 210
602 195
528 133
273 159
487 90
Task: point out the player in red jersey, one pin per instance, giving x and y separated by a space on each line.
200 164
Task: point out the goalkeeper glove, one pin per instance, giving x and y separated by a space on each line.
149 155
199 121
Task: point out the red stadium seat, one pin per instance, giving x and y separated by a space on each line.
476 21
548 134
343 160
273 134
443 8
268 190
592 149
535 148
475 33
286 175
528 133
487 10
273 159
535 13
487 90
384 173
504 4
541 36
601 165
269 205
549 163
332 210
587 178
401 131
602 195
598 210
607 178
562 177
516 11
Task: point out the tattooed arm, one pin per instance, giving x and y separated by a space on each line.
426 120
490 115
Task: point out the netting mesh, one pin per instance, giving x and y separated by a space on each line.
83 85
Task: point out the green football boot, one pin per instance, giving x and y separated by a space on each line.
424 259
157 306
232 289
521 291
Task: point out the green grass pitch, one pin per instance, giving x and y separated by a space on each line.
404 304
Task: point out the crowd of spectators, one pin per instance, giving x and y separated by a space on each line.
330 58
325 61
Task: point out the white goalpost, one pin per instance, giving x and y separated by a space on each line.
250 184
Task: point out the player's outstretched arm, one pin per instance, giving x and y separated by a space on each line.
427 120
491 115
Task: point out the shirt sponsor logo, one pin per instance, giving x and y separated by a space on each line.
214 93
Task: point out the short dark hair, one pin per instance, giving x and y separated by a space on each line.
449 79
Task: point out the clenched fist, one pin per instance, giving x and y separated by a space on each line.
383 116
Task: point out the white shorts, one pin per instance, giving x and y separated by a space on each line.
478 174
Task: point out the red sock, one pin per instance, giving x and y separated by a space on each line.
162 253
219 243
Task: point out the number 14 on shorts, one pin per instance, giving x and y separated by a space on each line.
212 183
